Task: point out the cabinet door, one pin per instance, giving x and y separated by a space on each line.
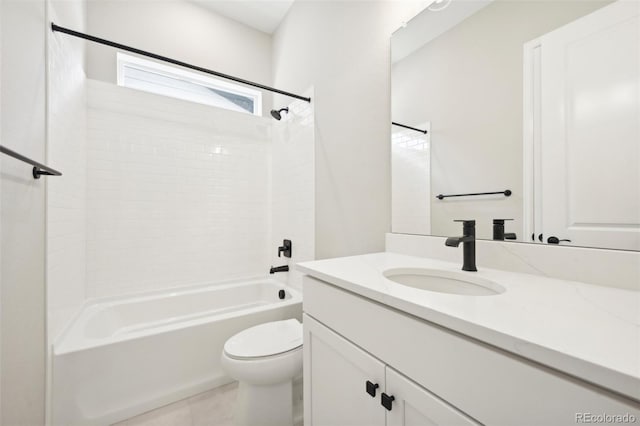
335 376
413 405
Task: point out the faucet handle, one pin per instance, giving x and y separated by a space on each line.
500 221
468 227
285 248
465 221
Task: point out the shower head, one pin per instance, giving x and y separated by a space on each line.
276 113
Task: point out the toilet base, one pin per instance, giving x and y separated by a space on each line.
264 405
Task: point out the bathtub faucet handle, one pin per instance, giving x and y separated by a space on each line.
285 248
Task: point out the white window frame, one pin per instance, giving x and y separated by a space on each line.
123 60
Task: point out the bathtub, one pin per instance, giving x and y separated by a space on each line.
123 356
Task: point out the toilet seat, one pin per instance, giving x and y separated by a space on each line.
264 360
265 340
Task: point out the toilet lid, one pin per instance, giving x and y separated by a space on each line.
264 340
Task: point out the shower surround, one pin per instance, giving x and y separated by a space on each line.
177 192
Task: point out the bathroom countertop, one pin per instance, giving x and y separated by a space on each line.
588 331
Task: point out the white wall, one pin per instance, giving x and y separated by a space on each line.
22 218
342 49
468 84
181 30
1 82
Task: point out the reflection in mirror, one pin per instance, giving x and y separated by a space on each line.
410 179
537 97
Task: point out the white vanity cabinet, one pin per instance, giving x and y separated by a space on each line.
344 385
415 406
335 374
435 375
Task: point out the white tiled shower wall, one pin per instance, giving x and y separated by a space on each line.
177 193
66 151
293 195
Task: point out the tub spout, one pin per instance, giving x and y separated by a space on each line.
275 269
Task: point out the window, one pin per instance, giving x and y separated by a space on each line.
142 74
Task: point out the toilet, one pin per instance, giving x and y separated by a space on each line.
264 359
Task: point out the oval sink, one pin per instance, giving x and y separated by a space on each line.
444 281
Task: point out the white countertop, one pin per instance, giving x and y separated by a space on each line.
588 331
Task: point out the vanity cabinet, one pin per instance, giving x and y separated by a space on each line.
345 385
335 375
436 376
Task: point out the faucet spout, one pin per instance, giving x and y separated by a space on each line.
456 241
275 269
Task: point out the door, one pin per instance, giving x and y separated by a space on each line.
415 406
590 130
336 373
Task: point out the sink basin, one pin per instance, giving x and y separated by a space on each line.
460 283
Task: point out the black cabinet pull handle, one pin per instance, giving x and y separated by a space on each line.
371 388
386 400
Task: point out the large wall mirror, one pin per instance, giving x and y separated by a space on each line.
535 102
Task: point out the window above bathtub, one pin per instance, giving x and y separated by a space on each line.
150 76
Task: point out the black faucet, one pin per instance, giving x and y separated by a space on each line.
275 269
498 231
468 241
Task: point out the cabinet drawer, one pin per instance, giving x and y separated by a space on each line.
489 384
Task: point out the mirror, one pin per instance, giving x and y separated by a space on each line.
533 101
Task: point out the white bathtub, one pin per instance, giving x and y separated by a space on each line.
124 356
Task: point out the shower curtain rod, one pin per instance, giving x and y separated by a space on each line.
409 127
94 39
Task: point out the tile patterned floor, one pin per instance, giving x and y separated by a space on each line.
212 408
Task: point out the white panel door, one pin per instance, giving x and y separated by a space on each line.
590 129
335 377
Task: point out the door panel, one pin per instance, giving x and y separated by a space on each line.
590 129
415 406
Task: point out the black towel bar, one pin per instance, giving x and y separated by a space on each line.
409 127
38 169
506 193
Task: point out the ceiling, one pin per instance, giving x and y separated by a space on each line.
263 15
429 24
